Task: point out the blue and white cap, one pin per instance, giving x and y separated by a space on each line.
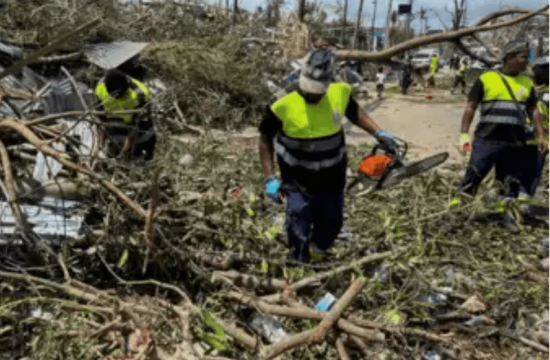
317 73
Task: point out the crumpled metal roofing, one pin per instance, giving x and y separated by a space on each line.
11 50
50 217
61 97
112 55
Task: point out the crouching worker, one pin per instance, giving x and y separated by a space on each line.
130 135
311 153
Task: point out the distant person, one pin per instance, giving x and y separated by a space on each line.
433 69
380 80
133 134
406 75
500 134
460 77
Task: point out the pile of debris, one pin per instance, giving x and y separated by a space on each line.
182 258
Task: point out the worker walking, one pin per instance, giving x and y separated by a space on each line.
541 71
433 69
504 96
125 134
311 153
460 77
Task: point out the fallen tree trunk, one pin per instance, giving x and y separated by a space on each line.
452 36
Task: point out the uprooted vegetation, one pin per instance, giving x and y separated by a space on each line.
176 259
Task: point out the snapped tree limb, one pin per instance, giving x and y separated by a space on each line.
452 36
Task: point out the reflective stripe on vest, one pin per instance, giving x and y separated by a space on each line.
498 106
314 154
312 136
136 96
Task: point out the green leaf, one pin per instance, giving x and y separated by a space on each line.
265 267
123 259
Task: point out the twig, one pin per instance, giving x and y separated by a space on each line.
150 220
303 312
342 352
288 343
9 188
336 312
59 41
316 278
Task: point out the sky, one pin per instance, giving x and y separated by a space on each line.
475 8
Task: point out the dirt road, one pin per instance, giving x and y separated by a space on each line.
427 126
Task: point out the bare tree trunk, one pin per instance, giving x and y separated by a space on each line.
343 39
358 24
301 10
372 27
235 9
387 37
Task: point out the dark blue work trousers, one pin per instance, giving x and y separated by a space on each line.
314 218
534 163
507 160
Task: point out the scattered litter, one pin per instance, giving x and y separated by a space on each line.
382 273
186 160
432 354
474 304
325 303
482 320
268 327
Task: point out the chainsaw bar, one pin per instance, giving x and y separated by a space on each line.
398 175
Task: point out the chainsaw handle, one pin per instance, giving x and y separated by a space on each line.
399 153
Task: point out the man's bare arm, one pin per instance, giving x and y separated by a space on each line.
468 116
365 122
538 120
266 154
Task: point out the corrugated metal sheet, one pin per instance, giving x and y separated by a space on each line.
10 50
112 55
61 97
26 79
50 217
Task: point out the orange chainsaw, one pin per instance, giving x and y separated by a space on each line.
385 166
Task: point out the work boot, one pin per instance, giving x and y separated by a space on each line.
316 254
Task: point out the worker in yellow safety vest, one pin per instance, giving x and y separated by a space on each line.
535 160
433 69
460 76
507 98
131 133
306 125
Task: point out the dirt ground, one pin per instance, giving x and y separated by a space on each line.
429 126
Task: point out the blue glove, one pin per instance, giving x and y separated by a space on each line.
386 139
381 134
272 187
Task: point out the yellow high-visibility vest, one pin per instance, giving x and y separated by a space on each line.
433 65
136 95
312 136
497 105
308 121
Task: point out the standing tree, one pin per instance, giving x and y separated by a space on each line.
358 24
459 14
301 10
343 39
